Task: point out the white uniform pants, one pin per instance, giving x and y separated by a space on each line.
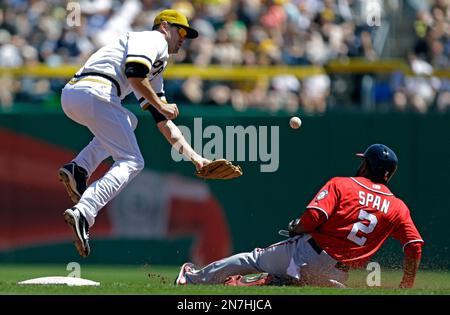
113 128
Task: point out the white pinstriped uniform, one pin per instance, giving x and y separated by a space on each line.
94 100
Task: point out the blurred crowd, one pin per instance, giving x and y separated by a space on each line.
431 51
240 32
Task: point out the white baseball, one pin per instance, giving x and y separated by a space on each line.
295 122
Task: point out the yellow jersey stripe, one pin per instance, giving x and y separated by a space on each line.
73 81
139 60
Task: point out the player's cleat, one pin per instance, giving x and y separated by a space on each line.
181 279
80 227
74 179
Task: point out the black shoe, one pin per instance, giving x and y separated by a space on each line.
74 179
80 226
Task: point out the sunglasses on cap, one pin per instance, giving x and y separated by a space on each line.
181 31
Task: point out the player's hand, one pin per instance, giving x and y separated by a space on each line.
170 111
406 283
200 162
291 227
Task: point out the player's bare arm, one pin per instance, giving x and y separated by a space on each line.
411 262
143 87
174 136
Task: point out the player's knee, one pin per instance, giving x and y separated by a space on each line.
134 166
138 164
134 122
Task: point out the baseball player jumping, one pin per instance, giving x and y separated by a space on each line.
342 228
133 62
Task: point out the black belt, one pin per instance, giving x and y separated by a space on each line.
315 246
105 76
319 250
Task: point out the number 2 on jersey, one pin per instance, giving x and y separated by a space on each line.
359 226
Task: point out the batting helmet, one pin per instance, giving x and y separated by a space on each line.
381 161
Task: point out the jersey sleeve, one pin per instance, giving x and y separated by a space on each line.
406 231
312 219
141 49
326 199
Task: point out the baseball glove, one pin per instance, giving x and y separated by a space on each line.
219 169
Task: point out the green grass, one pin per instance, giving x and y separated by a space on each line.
143 280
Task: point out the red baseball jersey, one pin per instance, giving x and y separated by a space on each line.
360 215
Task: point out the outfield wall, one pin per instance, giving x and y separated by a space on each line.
167 216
